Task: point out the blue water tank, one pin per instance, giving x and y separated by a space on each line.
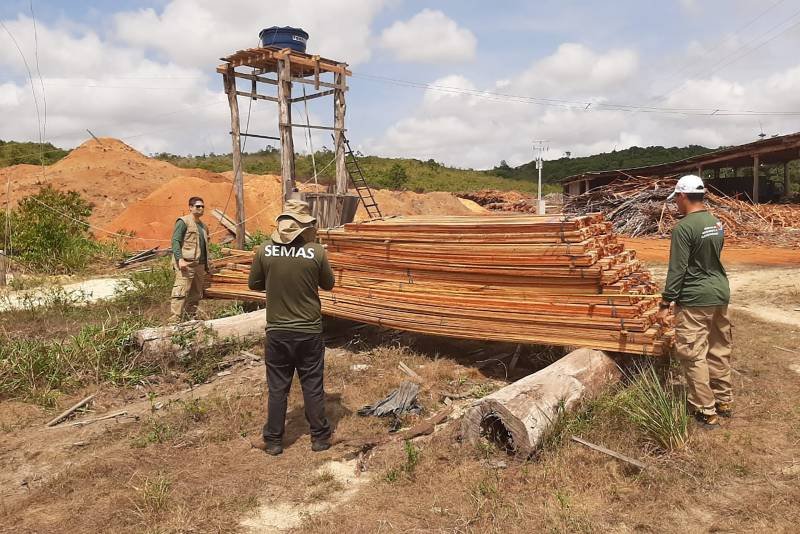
286 37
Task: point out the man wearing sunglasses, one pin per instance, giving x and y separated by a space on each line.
190 262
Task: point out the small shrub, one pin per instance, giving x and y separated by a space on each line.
255 240
658 411
156 431
50 233
154 494
409 465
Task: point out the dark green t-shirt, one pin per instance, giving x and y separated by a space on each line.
291 275
696 276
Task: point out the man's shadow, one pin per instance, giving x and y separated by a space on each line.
297 426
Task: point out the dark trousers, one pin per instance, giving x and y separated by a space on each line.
286 351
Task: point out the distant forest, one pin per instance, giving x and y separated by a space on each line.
396 173
15 153
555 170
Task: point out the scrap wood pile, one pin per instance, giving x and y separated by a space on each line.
515 278
638 207
514 201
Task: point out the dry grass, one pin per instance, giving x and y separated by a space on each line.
201 475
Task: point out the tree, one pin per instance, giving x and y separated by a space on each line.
396 178
49 231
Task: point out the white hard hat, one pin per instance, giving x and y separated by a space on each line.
690 183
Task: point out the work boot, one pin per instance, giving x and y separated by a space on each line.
724 409
706 422
320 445
273 449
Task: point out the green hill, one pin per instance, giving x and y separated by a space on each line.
412 174
555 170
15 153
381 172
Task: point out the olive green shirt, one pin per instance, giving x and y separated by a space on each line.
177 241
291 275
696 276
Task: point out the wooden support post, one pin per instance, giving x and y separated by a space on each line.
238 175
285 126
339 108
716 173
787 186
756 176
3 268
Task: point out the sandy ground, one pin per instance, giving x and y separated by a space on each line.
79 293
765 281
87 477
657 251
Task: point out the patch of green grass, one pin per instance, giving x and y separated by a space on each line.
19 282
34 368
229 310
658 411
154 494
147 287
156 430
412 457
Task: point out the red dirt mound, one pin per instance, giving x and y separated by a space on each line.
108 173
152 219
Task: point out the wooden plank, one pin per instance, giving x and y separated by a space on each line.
310 127
614 454
255 96
66 413
254 77
312 96
497 286
317 85
226 222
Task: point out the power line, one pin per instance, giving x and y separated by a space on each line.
735 55
575 105
719 45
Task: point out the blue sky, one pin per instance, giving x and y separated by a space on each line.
144 72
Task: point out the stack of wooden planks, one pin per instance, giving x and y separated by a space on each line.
519 278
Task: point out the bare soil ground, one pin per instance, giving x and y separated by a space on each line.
179 461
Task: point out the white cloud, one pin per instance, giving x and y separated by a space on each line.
110 89
198 32
471 131
430 36
576 69
151 80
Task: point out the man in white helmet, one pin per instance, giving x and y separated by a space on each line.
697 286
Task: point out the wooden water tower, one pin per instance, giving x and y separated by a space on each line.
290 66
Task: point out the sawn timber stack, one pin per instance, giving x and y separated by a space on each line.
518 278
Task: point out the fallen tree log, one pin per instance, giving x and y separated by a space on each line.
191 335
519 416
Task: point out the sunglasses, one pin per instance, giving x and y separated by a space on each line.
199 206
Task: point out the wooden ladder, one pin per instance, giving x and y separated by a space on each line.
360 183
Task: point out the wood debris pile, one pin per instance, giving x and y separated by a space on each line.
639 207
513 201
518 278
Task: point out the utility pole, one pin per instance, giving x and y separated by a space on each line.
540 148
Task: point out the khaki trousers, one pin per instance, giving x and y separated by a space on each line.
703 339
187 290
